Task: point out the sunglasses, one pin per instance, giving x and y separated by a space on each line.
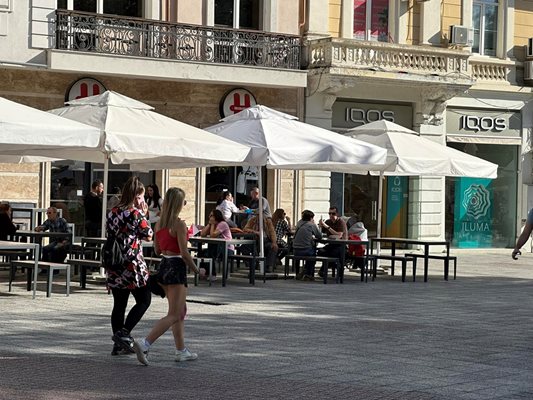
332 213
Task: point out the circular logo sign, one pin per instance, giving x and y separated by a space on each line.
476 201
84 87
235 101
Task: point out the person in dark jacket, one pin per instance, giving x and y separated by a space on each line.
93 209
7 227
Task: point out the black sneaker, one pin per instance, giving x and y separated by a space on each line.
123 340
119 351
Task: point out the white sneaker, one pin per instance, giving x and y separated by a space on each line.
141 349
185 355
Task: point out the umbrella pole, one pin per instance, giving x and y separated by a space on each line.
261 228
104 203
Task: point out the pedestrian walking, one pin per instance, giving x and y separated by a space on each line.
171 242
127 224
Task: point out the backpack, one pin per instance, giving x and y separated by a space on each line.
355 250
112 258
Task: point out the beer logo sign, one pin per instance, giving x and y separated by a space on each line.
476 201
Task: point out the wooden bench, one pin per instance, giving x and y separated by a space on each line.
443 257
83 266
253 260
404 259
30 266
325 263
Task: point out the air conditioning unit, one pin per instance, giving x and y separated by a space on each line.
528 71
461 35
529 50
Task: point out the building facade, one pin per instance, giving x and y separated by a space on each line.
195 61
457 72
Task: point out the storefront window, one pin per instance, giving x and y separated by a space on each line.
370 20
485 23
71 181
481 213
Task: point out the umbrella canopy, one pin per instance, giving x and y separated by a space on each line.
409 154
25 159
131 131
26 131
280 141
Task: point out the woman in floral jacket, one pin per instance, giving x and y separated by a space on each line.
128 225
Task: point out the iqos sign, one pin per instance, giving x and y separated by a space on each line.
482 124
361 117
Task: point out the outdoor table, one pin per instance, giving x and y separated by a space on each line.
5 245
425 243
344 242
37 237
198 240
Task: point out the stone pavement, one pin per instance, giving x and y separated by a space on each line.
466 339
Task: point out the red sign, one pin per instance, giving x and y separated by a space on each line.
235 101
84 87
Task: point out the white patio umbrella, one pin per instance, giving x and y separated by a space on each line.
280 141
409 154
131 131
28 134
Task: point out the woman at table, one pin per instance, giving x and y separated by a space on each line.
128 225
217 228
7 227
155 202
171 243
282 226
304 244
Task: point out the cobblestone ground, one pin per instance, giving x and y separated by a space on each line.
465 339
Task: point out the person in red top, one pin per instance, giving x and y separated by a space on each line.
171 243
128 225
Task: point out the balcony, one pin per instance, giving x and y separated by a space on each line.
111 44
115 35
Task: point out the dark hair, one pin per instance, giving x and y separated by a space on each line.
96 183
155 198
217 214
334 208
278 215
116 190
308 215
131 189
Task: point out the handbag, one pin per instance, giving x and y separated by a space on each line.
155 287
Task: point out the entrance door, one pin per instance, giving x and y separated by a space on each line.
360 197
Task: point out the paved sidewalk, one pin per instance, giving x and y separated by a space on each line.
466 339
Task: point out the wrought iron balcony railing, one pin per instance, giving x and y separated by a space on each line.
111 34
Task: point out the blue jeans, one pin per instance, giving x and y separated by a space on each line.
309 268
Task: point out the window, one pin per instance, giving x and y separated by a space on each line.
485 23
371 20
128 8
248 12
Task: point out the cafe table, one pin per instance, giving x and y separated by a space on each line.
6 245
342 258
426 244
199 241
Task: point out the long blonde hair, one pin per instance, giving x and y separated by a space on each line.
172 205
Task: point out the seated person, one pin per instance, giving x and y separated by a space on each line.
56 250
227 208
269 240
7 227
217 228
304 244
334 227
254 203
282 226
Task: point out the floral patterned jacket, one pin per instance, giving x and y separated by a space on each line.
129 226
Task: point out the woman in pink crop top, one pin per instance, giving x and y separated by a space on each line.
171 243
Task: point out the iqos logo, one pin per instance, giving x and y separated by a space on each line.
360 116
477 124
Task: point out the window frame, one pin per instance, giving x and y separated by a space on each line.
236 15
368 22
481 45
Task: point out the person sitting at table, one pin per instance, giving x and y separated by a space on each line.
335 228
216 228
7 227
282 226
56 250
228 207
304 244
269 240
254 203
